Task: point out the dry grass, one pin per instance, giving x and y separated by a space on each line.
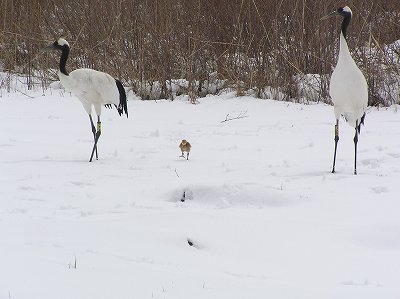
263 46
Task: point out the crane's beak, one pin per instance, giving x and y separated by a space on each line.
332 14
50 47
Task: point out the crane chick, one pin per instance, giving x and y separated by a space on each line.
185 146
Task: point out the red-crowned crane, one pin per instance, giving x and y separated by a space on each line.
92 88
348 87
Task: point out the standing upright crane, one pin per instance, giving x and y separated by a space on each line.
348 87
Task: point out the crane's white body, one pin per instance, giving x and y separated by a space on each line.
91 87
348 87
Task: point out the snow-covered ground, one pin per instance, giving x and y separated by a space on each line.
265 216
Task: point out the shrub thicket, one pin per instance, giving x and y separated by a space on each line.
273 48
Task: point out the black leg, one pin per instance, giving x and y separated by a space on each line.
94 135
98 134
336 142
355 148
187 156
96 139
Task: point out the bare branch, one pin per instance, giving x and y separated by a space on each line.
242 114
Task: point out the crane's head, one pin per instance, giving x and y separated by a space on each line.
344 12
341 11
60 44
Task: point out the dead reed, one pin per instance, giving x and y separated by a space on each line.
272 48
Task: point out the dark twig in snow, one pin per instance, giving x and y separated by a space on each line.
183 196
24 93
242 114
74 265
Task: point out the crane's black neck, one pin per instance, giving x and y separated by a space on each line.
63 59
346 21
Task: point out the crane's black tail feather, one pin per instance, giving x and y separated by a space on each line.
361 123
123 105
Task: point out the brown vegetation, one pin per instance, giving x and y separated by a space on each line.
263 46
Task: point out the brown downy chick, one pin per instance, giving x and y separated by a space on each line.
185 147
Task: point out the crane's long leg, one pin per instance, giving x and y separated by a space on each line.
94 135
336 142
98 133
355 148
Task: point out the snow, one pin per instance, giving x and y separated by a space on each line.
264 215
